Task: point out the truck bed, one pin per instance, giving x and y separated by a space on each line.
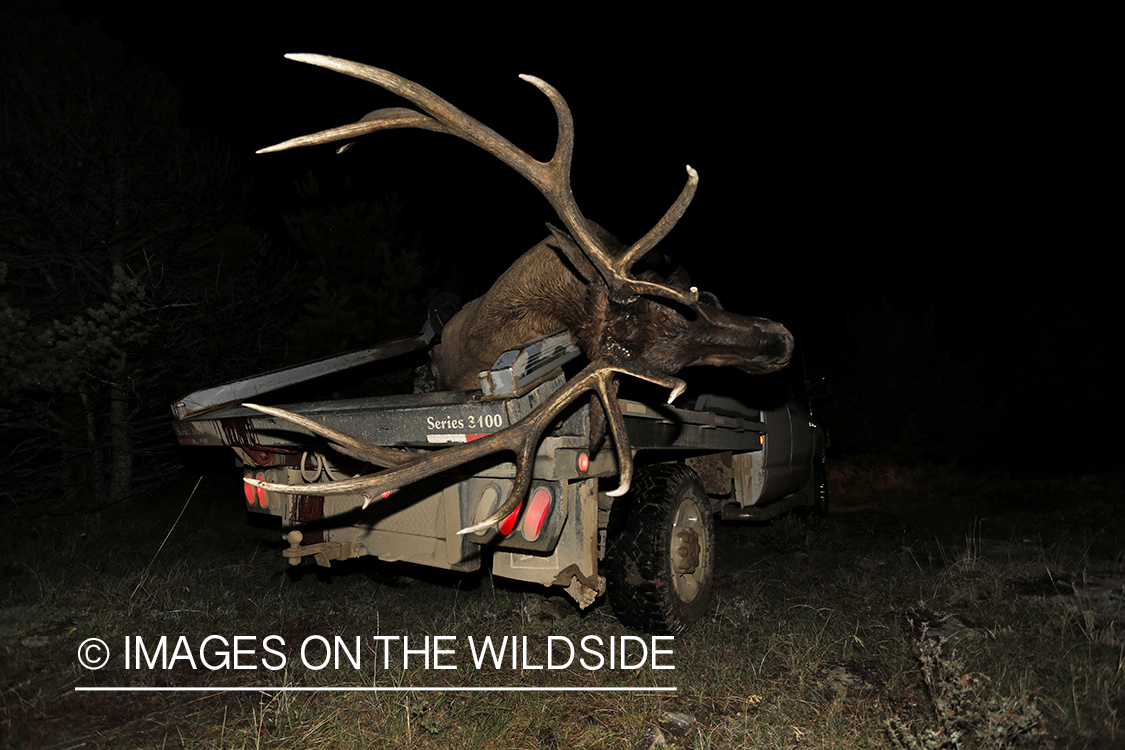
435 419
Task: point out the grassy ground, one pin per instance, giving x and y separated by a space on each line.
939 611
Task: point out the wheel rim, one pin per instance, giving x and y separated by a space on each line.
688 550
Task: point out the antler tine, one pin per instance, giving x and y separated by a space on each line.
551 178
624 288
381 119
521 438
655 235
615 271
444 117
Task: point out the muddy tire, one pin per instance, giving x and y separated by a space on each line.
660 555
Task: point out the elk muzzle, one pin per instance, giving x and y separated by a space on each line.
753 345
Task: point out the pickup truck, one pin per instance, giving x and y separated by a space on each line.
652 550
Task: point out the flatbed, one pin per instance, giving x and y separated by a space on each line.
562 534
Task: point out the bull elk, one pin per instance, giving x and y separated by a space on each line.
581 279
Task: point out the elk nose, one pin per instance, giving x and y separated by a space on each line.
767 343
783 343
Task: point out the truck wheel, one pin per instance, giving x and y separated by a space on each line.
660 551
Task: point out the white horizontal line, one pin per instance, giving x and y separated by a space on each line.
373 689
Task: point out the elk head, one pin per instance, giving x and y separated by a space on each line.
643 325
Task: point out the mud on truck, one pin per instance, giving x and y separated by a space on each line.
651 551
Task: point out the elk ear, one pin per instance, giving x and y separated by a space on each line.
562 241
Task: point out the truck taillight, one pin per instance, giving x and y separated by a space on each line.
583 462
509 521
530 522
537 511
256 494
248 490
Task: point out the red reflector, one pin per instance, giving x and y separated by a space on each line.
536 515
248 490
509 523
262 499
583 462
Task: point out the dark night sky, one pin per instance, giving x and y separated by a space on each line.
881 152
964 165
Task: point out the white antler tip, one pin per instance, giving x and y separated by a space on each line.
619 491
475 529
693 176
535 81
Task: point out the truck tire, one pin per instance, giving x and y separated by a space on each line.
660 551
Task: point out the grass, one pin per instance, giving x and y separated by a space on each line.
945 611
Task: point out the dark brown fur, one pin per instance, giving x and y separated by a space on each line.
541 293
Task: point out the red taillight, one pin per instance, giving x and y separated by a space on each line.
536 515
509 522
248 490
263 500
583 462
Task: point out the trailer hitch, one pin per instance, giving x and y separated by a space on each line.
322 552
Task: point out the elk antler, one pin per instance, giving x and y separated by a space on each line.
346 444
582 246
521 438
552 178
